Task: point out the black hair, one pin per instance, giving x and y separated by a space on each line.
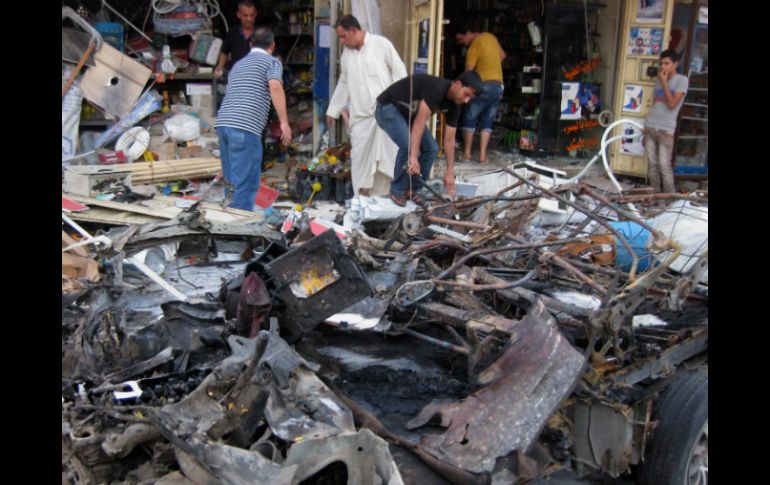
246 3
671 54
471 79
462 25
347 22
262 37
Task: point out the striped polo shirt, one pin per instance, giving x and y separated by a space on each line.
247 101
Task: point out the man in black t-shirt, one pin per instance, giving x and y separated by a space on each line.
238 41
403 109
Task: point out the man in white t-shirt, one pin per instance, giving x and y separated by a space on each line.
660 124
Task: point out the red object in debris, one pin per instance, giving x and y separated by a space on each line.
266 196
191 197
111 158
320 226
71 205
253 306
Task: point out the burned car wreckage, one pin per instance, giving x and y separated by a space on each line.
487 340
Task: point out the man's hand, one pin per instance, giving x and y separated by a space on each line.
413 167
285 134
449 183
218 71
662 77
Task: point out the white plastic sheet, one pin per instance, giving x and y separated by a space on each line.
687 224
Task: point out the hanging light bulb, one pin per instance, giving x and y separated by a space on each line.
167 66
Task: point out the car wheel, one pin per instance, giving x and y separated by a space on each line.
677 452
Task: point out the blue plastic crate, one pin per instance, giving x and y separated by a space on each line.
112 33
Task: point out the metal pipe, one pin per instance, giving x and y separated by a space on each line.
497 286
452 222
509 247
435 341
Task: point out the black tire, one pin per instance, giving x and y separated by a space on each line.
678 448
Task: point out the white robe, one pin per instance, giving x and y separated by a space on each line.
364 74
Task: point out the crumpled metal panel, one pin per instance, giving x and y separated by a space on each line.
366 456
536 372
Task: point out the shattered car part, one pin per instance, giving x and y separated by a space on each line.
323 270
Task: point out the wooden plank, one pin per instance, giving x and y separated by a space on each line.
120 206
102 215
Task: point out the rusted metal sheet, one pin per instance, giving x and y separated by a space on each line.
524 387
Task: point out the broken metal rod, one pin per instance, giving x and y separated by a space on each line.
599 220
559 261
435 341
452 222
509 247
496 286
627 214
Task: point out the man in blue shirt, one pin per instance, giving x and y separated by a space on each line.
254 81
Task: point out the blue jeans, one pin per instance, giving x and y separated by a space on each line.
241 155
483 107
395 125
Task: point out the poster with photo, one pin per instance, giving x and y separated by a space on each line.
632 98
570 101
650 11
631 145
644 41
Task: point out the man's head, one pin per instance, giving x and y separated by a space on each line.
669 60
465 87
349 31
464 33
264 39
246 13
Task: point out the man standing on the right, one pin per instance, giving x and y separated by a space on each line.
660 124
485 56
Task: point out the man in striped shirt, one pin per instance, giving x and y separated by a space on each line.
253 82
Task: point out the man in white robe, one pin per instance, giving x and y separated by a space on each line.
368 65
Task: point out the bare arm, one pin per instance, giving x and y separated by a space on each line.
672 99
221 64
279 101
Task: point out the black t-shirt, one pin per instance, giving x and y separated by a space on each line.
236 45
431 89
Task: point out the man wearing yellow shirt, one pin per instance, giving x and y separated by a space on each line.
485 56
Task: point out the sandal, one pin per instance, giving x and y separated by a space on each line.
417 198
399 200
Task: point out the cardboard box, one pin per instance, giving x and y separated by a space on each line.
77 267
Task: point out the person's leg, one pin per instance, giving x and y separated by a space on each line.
665 151
467 143
493 92
245 151
428 152
650 143
468 123
392 123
